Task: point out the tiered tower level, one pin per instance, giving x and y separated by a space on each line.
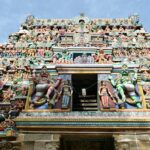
75 74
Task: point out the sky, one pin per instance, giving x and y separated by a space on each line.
14 12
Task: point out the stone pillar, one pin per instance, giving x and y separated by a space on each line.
40 141
133 141
52 144
46 145
25 143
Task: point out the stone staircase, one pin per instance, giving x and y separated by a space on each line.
86 103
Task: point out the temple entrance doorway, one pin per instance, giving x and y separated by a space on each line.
87 143
84 92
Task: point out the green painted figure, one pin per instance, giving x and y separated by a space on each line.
126 88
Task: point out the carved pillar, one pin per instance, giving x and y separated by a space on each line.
121 143
132 141
52 144
46 145
27 143
143 141
40 141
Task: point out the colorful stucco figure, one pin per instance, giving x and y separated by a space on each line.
106 96
44 89
66 94
130 86
41 85
119 87
127 88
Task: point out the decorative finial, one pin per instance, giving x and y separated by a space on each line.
82 14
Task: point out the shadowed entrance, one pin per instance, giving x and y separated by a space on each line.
85 92
87 143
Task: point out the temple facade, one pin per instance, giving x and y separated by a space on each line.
76 84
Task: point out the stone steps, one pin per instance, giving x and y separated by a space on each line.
86 103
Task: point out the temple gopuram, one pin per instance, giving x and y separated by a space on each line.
76 84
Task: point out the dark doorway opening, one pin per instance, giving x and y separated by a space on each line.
72 143
84 92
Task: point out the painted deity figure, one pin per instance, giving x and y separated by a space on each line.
19 89
127 88
41 85
100 57
43 89
65 58
67 93
119 87
54 92
132 92
2 83
106 97
16 88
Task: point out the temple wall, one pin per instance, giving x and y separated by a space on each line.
132 141
39 141
47 141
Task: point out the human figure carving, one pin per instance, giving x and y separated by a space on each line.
105 95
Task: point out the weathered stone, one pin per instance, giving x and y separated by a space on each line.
46 145
27 145
10 145
56 137
35 137
132 141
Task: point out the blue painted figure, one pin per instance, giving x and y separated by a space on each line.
67 93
